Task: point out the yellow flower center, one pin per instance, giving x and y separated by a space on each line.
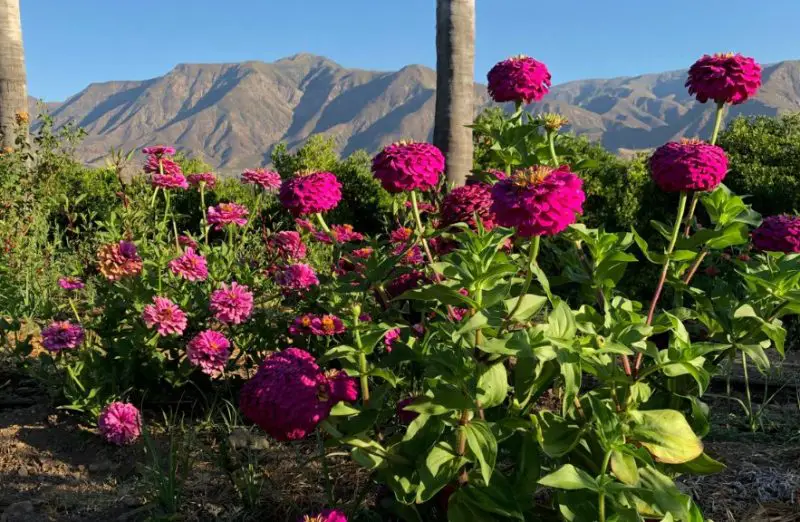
691 141
723 55
327 324
553 122
306 321
531 175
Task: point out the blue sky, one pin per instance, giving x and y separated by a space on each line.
70 44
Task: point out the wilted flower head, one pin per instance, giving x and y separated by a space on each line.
209 178
232 303
329 515
518 79
462 204
724 78
118 260
310 193
342 233
778 234
62 335
287 244
538 201
327 324
297 277
209 350
688 165
227 214
552 121
290 395
165 315
406 166
266 179
120 423
22 117
159 150
71 283
190 266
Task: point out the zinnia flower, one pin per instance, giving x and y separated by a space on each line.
423 206
287 244
410 256
462 204
71 283
407 166
232 303
204 177
62 335
538 201
169 181
400 235
778 234
190 266
227 214
310 193
120 423
297 277
688 165
159 150
289 395
266 179
209 350
405 282
118 260
390 338
304 224
329 515
185 240
302 325
518 79
342 233
724 78
165 315
327 324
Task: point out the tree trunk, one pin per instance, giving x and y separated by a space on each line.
455 85
13 93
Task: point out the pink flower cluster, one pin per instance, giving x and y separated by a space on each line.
310 193
462 204
166 173
519 79
407 166
287 245
231 304
209 350
329 515
62 335
289 395
120 423
724 78
71 283
342 234
538 201
207 178
688 165
159 150
405 282
190 266
165 316
297 277
310 324
227 214
778 234
266 179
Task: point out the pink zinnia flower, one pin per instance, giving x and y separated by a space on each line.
120 423
304 224
518 79
462 204
190 266
209 178
442 246
266 179
688 165
287 244
232 303
62 335
310 193
169 181
724 78
289 395
407 166
342 233
185 240
297 277
302 325
457 314
538 201
410 256
390 338
159 150
778 234
405 282
401 235
329 515
71 283
118 260
165 315
327 324
227 214
209 350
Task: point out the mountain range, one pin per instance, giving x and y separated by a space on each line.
232 115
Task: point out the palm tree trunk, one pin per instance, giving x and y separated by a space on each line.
455 85
13 93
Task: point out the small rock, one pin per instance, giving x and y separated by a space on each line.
242 438
17 512
99 467
213 509
52 419
22 471
131 501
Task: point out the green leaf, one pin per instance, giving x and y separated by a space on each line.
492 385
569 477
557 435
442 293
531 304
561 323
439 469
666 435
342 409
528 465
476 322
496 498
624 467
702 465
483 445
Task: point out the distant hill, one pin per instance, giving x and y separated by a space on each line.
233 115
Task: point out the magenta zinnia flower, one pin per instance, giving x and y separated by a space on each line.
232 303
302 325
462 204
159 150
120 423
724 78
62 335
208 178
190 266
266 179
297 277
227 214
310 193
327 324
407 166
71 283
185 240
289 395
304 224
688 165
287 244
390 338
342 233
518 79
778 234
400 235
329 515
209 350
165 315
538 201
423 206
169 181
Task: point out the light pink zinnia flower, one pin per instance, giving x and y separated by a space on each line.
724 78
687 166
227 214
266 179
518 79
169 181
327 324
190 266
208 178
209 350
62 335
165 315
297 277
407 166
71 283
232 303
120 423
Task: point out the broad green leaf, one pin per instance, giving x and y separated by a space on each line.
342 409
569 477
666 434
557 435
531 304
561 323
702 465
483 446
624 467
496 498
492 385
528 465
439 469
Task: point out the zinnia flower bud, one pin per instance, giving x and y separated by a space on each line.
519 79
778 234
688 165
310 193
553 122
407 166
724 78
120 423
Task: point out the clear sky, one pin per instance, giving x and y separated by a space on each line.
71 43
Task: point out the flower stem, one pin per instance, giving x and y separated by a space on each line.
602 495
74 309
203 209
690 215
325 228
693 269
717 122
750 417
533 252
420 228
551 140
362 366
461 443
